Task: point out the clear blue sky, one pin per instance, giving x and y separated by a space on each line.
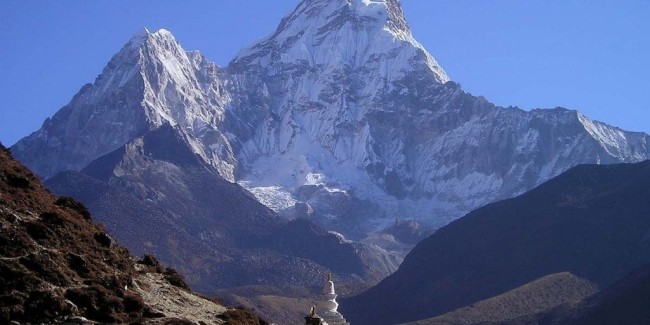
590 55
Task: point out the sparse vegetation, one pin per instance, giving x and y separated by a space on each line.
151 263
178 321
175 278
37 230
133 304
68 202
52 218
103 239
242 316
17 181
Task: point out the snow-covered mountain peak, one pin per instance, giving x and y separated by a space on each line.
142 49
150 82
145 37
163 37
343 35
339 104
387 12
182 89
170 82
139 38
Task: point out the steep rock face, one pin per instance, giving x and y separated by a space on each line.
590 221
341 96
339 104
323 74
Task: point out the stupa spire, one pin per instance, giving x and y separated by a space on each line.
328 306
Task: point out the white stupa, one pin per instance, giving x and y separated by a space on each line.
327 308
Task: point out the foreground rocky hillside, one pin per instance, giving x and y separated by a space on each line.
57 266
591 221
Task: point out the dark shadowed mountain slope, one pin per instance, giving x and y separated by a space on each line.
57 266
521 305
592 221
625 302
158 197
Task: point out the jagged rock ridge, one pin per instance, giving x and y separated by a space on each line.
339 104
